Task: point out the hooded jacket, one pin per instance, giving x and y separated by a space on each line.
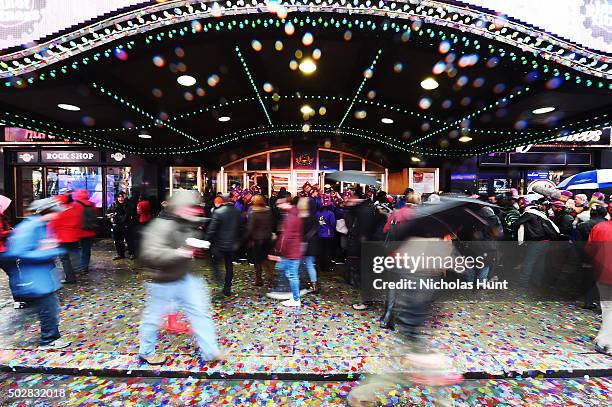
225 229
600 248
81 199
530 226
160 241
289 244
67 226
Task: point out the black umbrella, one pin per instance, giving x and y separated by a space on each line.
357 177
446 217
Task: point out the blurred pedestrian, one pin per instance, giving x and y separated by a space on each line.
600 248
121 217
289 246
66 227
29 261
86 210
144 215
327 233
224 232
166 252
259 234
583 230
310 234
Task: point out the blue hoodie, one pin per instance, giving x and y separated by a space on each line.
327 222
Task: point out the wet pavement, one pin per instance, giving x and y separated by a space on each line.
321 348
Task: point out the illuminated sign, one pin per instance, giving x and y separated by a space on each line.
19 135
67 156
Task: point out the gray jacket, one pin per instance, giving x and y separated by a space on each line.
160 239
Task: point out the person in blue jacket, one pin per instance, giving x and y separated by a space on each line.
29 262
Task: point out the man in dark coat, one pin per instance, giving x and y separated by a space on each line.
122 214
224 233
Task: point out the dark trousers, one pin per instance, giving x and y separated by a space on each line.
72 253
534 263
410 311
137 237
86 243
48 314
228 257
121 236
327 247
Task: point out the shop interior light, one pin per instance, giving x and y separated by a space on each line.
224 119
465 139
543 110
186 80
415 159
429 84
307 66
386 120
306 109
144 135
66 106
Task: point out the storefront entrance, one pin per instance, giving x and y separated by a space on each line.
291 168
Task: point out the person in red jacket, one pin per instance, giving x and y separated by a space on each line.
600 248
81 201
66 228
143 217
289 248
5 227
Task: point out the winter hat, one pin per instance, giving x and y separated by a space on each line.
182 198
559 204
568 194
218 201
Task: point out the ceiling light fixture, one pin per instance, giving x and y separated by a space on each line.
415 159
465 139
386 120
224 119
186 80
429 84
66 106
144 135
307 66
543 110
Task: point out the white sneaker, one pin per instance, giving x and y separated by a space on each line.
275 295
285 296
291 303
57 344
18 305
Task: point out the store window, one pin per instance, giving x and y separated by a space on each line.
234 181
237 166
280 160
185 178
29 187
370 166
259 162
351 163
75 178
329 161
118 179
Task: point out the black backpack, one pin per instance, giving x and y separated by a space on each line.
89 220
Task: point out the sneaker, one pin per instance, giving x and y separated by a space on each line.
118 257
291 303
56 344
275 295
227 293
153 359
236 263
19 305
603 349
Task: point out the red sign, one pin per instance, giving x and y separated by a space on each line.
17 134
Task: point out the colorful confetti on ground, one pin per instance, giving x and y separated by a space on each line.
100 315
100 391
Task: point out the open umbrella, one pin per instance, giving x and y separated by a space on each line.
446 217
596 179
357 177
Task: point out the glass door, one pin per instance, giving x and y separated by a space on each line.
278 180
301 177
189 178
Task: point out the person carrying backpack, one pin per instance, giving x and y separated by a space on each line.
86 210
29 261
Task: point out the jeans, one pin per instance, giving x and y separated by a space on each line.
48 313
480 274
533 266
86 243
72 252
190 293
228 257
308 262
291 268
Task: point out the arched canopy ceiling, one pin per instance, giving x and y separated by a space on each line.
371 60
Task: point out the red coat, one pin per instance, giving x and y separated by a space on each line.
600 248
80 208
289 244
66 227
143 209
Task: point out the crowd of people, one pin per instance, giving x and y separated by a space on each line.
292 243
